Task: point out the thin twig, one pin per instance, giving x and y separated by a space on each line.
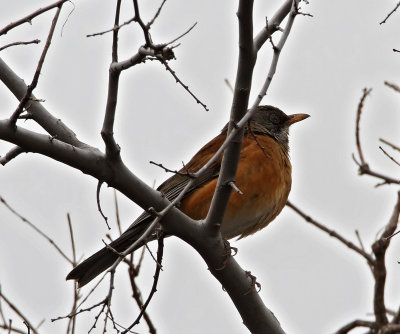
117 212
35 41
389 156
390 14
390 144
167 170
136 293
35 79
2 200
155 281
117 27
17 311
332 233
393 86
186 87
30 17
99 205
366 92
72 320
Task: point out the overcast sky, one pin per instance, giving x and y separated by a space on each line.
311 282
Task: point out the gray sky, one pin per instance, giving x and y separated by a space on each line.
312 283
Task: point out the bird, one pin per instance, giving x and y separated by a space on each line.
263 181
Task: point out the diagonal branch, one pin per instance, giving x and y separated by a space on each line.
332 234
32 86
30 17
54 126
273 24
18 312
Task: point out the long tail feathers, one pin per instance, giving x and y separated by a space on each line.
104 258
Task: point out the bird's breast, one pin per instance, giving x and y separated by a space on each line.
264 179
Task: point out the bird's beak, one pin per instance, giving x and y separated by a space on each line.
297 118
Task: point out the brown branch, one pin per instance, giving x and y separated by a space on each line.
35 41
389 156
379 248
332 233
390 14
35 79
390 144
393 86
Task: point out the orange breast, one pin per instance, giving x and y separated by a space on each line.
264 177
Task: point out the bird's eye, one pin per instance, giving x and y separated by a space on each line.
274 119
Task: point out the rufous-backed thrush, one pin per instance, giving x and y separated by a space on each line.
263 177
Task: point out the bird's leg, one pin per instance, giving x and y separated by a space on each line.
254 283
230 251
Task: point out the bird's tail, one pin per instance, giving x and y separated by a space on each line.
104 258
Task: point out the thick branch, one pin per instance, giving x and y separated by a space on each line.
379 270
246 62
51 124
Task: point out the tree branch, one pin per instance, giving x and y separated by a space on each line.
379 248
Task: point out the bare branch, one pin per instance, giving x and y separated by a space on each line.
186 87
107 131
18 312
390 14
117 27
379 248
35 79
54 126
390 144
366 92
273 24
332 233
30 17
393 86
155 281
99 205
389 156
354 324
11 154
44 235
363 165
35 41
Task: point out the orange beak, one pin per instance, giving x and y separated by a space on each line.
297 118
